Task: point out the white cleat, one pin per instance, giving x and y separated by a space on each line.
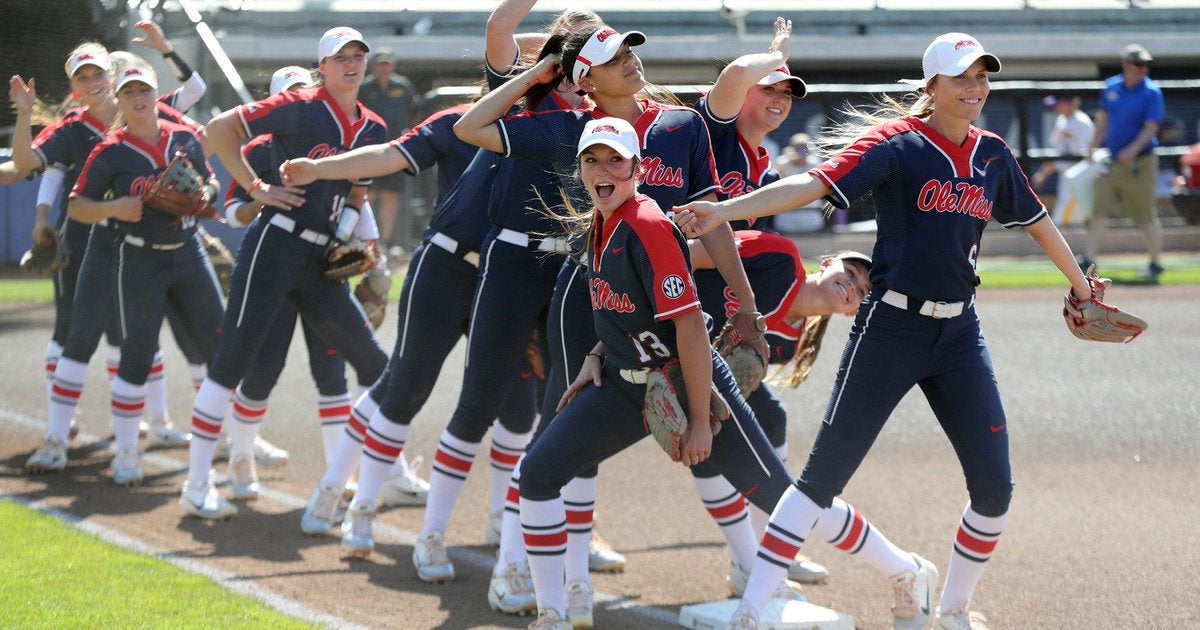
579 604
358 534
406 488
243 478
51 456
805 571
512 592
961 620
431 560
127 467
321 510
913 609
602 558
205 503
743 619
266 455
161 433
491 533
549 620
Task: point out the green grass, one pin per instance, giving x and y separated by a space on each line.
56 576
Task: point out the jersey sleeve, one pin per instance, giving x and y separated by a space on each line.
274 113
664 270
427 143
54 145
1016 203
857 169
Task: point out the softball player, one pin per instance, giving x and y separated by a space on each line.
288 249
646 313
433 314
519 263
158 258
62 148
936 180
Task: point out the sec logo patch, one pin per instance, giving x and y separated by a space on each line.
672 286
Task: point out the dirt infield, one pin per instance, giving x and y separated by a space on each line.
1106 440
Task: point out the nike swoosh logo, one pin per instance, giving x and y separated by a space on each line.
997 429
675 128
618 250
990 160
525 375
979 171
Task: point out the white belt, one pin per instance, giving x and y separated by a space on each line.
138 241
928 308
451 245
636 377
521 239
289 225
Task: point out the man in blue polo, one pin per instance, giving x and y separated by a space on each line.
1131 112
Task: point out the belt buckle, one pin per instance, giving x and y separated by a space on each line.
945 310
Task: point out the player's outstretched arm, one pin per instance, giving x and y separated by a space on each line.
478 125
701 217
374 160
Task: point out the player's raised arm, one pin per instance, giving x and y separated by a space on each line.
700 217
478 125
727 95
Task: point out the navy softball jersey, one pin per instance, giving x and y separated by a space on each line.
638 280
932 200
282 256
432 142
741 168
158 259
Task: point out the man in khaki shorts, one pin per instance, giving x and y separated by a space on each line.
1127 123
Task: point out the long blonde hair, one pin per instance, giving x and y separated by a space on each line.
835 138
44 113
811 335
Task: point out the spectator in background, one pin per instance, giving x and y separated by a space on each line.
395 99
797 157
1127 123
1071 136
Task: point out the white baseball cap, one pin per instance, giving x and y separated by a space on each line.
137 72
616 133
951 54
88 58
782 73
335 38
601 47
288 76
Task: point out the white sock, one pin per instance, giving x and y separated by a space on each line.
69 377
451 466
198 372
112 359
973 546
334 413
247 420
128 404
507 448
790 524
156 390
384 444
544 526
208 415
53 353
579 502
847 530
512 543
727 507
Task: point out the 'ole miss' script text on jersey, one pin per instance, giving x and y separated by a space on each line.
639 280
128 167
309 124
932 200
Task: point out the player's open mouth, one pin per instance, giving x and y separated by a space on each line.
604 191
972 101
775 110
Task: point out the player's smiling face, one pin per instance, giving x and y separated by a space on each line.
137 101
608 177
962 96
846 283
769 104
92 84
347 68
